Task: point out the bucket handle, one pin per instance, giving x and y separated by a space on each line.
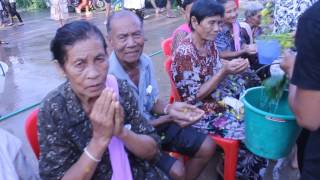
275 119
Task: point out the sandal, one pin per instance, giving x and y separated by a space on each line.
78 11
162 10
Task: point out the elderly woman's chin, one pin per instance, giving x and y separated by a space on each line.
94 90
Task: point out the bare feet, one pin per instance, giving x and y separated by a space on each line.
88 13
78 11
170 14
157 11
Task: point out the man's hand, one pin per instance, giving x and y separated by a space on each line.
287 63
185 114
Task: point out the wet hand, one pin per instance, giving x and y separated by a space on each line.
193 118
287 63
102 116
236 66
185 112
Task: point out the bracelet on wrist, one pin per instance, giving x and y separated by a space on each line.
90 156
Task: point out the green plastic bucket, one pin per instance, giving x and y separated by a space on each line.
269 135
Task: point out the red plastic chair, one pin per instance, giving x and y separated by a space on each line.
230 147
167 51
31 131
167 47
237 2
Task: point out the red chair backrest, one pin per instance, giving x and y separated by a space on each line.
167 46
237 3
31 131
174 90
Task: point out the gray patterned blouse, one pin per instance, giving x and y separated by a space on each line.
65 130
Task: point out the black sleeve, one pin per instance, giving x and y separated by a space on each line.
306 74
244 36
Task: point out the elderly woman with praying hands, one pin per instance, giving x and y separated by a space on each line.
89 126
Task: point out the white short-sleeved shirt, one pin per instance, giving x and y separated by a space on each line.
147 92
13 162
133 4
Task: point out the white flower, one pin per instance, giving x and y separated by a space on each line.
149 89
128 126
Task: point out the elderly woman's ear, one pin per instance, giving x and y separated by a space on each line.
194 21
109 46
59 69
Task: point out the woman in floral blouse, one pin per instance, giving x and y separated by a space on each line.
78 119
202 78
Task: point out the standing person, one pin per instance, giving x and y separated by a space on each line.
170 13
286 16
304 90
84 4
1 15
203 79
13 12
59 9
135 6
107 10
125 34
157 9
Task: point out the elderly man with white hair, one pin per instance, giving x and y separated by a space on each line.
250 28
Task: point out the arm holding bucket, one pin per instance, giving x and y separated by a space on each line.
305 103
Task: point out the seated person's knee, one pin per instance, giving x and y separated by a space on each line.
207 148
177 171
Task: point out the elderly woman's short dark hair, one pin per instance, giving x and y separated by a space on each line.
185 3
224 1
252 9
205 8
71 33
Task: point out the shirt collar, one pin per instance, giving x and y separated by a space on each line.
116 68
